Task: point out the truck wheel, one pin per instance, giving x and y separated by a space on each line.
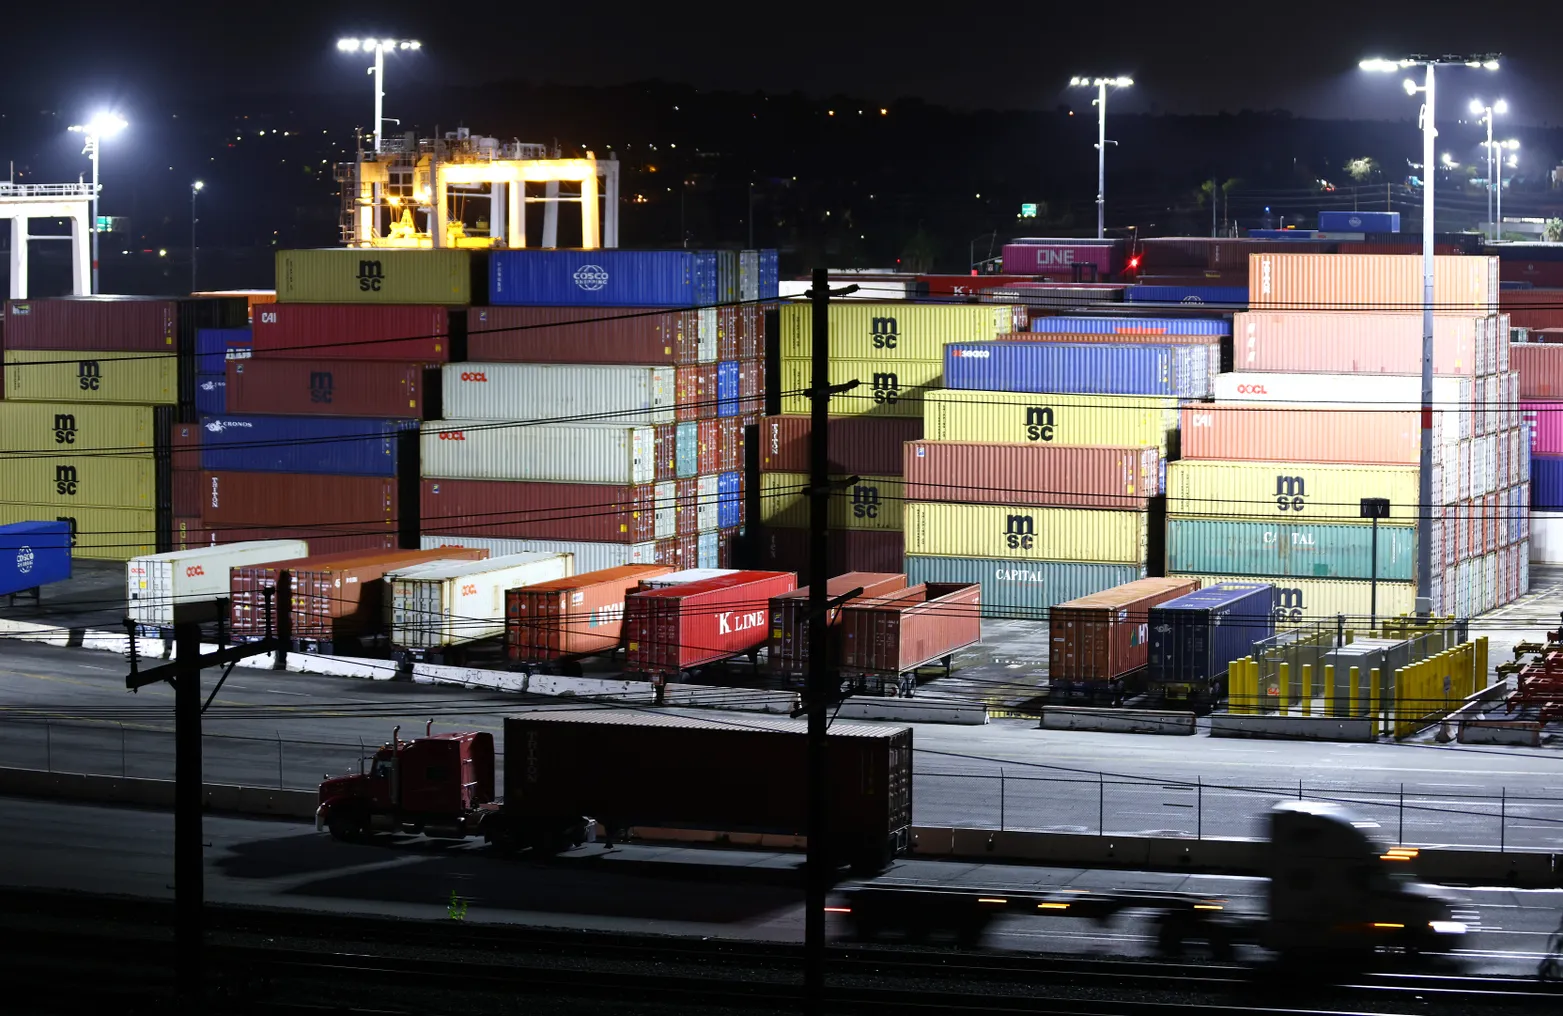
1169 935
345 826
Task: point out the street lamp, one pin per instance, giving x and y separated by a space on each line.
1424 541
99 127
1512 146
1100 102
379 47
1485 114
195 188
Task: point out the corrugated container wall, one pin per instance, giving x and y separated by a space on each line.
136 378
588 556
611 335
1051 419
339 445
103 534
331 504
884 389
418 334
886 332
33 554
1322 601
73 427
787 645
893 635
1371 282
562 453
867 446
551 511
1026 533
444 604
1299 549
775 547
1194 637
1078 368
1104 636
603 278
560 393
157 584
1132 326
95 481
872 502
1093 261
1227 430
1062 476
1332 343
379 275
1287 490
571 617
671 629
1023 590
330 388
118 323
1540 366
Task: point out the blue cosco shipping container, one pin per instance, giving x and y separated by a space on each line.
1131 326
1223 297
603 278
727 388
1021 589
339 445
1193 638
729 500
34 554
1546 481
1084 368
1359 222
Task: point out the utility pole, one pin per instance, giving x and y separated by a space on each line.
184 673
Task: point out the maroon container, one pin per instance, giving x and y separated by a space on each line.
846 550
710 460
727 333
666 442
696 392
612 335
868 446
332 388
185 470
731 444
680 552
359 331
1532 308
323 505
320 541
751 332
1100 638
526 510
787 644
687 509
727 546
896 634
188 534
134 324
751 386
1040 474
674 628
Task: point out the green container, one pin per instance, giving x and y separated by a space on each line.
1021 589
1290 550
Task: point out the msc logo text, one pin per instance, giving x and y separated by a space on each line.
884 332
89 375
1289 493
321 386
865 502
371 275
64 428
1020 532
65 481
887 389
1039 423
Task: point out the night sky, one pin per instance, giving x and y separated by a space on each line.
1186 58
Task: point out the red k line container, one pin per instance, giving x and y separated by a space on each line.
336 597
1540 366
1271 433
570 617
523 510
670 630
1097 640
847 550
868 446
787 643
373 388
1533 308
893 635
347 331
972 472
327 505
608 335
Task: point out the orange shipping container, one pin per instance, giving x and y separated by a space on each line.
571 616
1340 343
1371 282
1098 640
1313 433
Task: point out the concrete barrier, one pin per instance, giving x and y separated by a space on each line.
903 710
469 677
1118 721
1526 733
743 699
640 692
1528 869
1293 728
93 789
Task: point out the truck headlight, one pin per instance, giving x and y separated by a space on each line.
1447 927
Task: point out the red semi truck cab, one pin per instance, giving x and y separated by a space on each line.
439 784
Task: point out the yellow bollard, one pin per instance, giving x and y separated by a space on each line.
1353 683
1305 703
1284 679
1257 703
1375 688
1480 663
1235 686
1329 689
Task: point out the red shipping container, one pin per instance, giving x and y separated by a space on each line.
894 635
727 332
607 335
1540 366
185 446
1532 308
320 541
731 444
312 387
185 469
530 510
670 630
1040 474
1542 274
681 551
315 504
727 550
188 534
1270 433
571 617
968 286
666 442
787 644
686 509
132 324
1097 640
710 449
846 550
695 391
360 331
867 446
751 386
751 332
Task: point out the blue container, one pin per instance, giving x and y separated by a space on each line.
770 275
333 445
686 450
1284 234
1193 638
215 346
1505 286
1083 368
1224 297
603 278
729 500
727 390
211 394
1359 222
1546 482
34 554
1130 326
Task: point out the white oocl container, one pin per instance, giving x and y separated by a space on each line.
562 453
678 578
555 391
445 603
589 557
156 583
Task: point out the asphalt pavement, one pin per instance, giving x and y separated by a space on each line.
724 894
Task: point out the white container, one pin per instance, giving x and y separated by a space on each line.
156 583
678 578
1452 396
707 550
446 603
589 557
705 503
559 392
562 453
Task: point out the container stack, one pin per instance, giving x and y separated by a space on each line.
1324 412
1539 367
895 351
602 408
94 387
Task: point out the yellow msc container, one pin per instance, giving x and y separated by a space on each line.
102 534
1021 417
874 502
375 275
90 481
51 428
895 330
1021 532
137 378
1317 491
894 388
1311 601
